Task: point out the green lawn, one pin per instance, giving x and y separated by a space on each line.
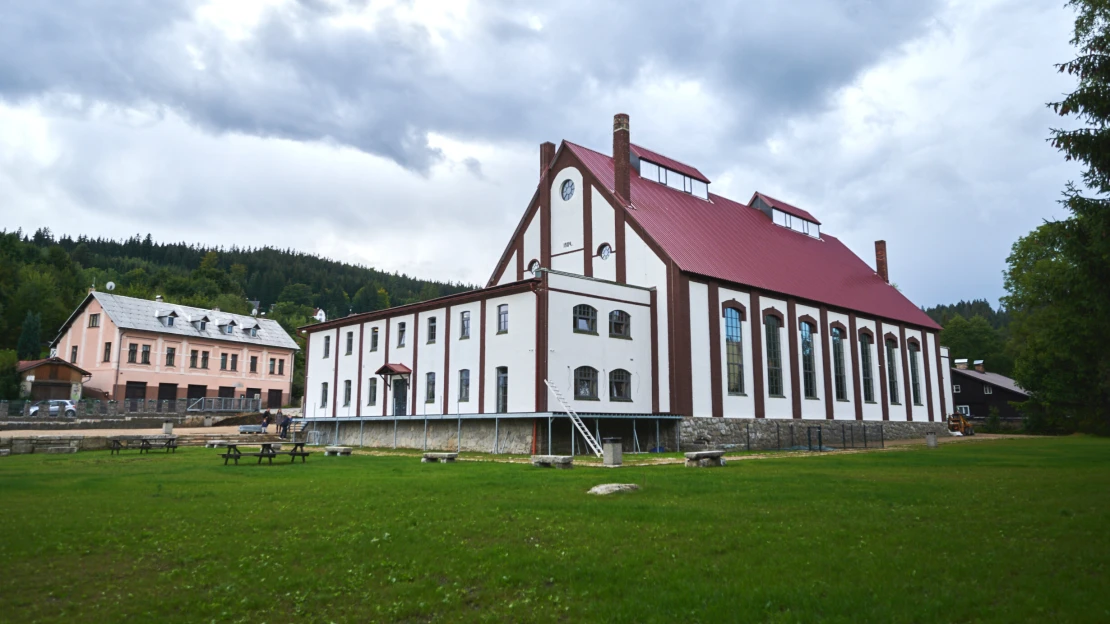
1013 530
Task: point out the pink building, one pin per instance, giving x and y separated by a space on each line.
141 349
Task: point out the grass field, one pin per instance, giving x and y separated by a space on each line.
1013 530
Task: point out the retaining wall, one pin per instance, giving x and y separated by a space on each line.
767 433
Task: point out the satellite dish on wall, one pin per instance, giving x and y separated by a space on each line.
110 285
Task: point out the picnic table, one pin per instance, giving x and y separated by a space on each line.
145 444
268 451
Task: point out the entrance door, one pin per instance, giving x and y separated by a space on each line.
167 392
195 392
133 394
253 394
227 396
400 397
273 399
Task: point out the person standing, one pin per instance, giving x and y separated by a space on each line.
265 420
283 423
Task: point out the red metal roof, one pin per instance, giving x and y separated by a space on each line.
394 369
783 206
669 163
730 241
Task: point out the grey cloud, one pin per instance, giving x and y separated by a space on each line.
298 77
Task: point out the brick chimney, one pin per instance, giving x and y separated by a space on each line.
979 366
621 166
961 363
547 155
880 260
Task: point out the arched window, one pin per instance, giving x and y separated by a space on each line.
838 364
915 381
774 355
585 319
892 369
865 362
585 383
809 370
734 351
620 324
620 385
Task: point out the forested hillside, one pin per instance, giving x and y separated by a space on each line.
976 331
43 278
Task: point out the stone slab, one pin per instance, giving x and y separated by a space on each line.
707 462
612 488
56 449
705 454
563 462
432 458
333 451
5 452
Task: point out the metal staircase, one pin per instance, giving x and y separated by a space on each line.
574 418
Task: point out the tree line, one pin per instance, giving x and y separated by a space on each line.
43 279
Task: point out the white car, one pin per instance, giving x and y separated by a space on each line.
55 407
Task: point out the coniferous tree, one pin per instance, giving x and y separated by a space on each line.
1058 275
30 337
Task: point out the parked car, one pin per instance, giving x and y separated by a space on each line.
55 407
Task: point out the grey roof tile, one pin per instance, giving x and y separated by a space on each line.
144 315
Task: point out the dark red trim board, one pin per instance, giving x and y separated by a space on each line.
715 351
826 365
757 358
795 356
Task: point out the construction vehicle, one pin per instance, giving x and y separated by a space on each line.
958 424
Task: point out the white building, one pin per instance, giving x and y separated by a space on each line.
645 299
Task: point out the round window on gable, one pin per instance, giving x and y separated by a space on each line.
604 251
567 190
533 266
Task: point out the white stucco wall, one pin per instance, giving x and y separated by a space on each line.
320 370
700 371
777 407
532 241
568 262
430 360
934 378
843 409
399 355
464 355
871 410
604 231
644 268
371 362
920 411
348 370
566 216
812 408
514 349
509 275
946 382
569 350
738 405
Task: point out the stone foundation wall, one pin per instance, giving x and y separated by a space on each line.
512 436
767 433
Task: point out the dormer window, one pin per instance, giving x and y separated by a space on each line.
787 216
202 325
230 329
673 179
254 332
796 223
166 317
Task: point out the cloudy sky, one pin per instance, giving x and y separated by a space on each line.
404 135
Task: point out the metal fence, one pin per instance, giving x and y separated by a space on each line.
222 404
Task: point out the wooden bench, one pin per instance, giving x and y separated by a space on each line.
562 462
705 459
145 445
431 458
334 451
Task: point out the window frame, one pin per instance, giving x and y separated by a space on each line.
464 385
373 339
773 339
915 375
346 393
615 384
144 355
502 389
503 318
327 347
133 353
235 361
955 388
988 389
840 377
867 376
324 394
350 342
892 371
401 331
464 325
73 354
430 387
734 352
171 357
584 314
281 367
204 360
587 375
94 320
431 330
371 391
107 352
809 359
616 319
254 364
